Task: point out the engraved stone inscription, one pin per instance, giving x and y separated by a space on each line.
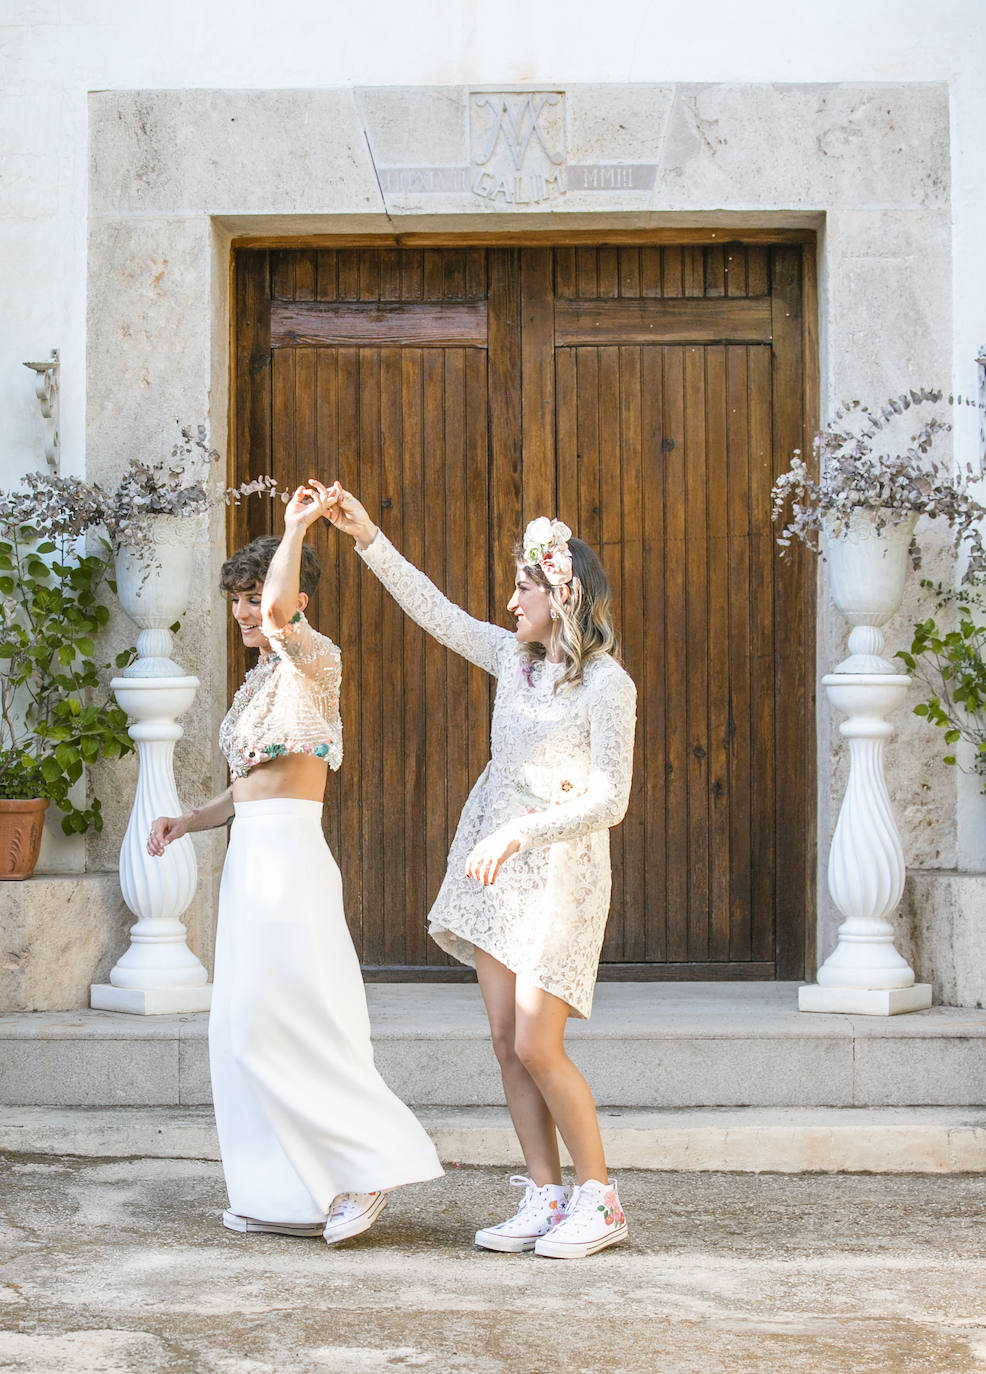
517 146
423 180
626 176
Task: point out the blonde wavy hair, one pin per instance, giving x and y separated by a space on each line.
583 620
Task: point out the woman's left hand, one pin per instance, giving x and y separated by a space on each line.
309 503
484 862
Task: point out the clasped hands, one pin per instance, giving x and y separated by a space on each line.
312 501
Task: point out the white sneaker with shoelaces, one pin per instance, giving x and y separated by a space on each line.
595 1219
351 1214
541 1210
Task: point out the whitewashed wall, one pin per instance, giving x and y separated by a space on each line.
53 53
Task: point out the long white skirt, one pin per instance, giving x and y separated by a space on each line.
302 1112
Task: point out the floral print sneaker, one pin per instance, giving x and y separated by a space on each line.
595 1219
351 1214
540 1212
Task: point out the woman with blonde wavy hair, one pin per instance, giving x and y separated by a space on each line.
526 895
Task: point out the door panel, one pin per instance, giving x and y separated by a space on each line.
647 395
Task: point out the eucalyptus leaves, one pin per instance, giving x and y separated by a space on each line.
879 461
175 486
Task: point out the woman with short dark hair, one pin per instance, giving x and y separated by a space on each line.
310 1135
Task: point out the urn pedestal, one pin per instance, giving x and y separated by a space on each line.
864 974
158 974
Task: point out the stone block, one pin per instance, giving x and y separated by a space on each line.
114 1073
59 934
925 1071
194 1080
928 1140
462 1070
805 146
865 1001
738 1070
942 916
415 126
214 152
149 1001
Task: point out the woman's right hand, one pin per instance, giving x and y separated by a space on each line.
349 516
163 830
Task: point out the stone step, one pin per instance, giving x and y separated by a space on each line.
928 1140
647 1046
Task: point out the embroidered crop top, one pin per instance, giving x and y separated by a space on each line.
288 703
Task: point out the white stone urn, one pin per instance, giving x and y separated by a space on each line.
154 584
867 565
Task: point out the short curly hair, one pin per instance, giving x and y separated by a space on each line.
247 567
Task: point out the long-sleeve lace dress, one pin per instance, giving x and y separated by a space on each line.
558 777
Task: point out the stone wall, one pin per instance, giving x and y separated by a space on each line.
175 175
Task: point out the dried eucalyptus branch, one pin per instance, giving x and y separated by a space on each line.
871 460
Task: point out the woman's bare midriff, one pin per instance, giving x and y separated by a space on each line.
291 775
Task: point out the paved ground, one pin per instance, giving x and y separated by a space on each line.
113 1267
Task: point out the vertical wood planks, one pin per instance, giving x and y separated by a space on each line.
537 385
662 457
718 791
506 429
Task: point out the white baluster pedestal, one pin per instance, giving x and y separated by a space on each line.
865 974
158 974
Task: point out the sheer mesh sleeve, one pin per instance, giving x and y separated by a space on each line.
304 650
477 640
603 801
288 704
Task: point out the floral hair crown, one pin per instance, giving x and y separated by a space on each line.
546 547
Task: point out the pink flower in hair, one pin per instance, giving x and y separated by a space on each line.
557 568
546 547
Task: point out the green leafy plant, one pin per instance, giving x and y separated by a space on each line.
56 714
949 664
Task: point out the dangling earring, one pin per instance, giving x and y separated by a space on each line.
554 614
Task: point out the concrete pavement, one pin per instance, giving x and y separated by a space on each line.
113 1267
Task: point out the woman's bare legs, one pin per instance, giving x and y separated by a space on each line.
528 1111
542 1085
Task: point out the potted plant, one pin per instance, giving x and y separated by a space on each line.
56 715
56 712
869 461
878 472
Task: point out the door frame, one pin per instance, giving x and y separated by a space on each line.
240 419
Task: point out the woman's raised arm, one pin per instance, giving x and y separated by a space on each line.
477 640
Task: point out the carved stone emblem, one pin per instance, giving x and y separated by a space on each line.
517 146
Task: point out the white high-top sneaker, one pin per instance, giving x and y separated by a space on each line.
351 1214
595 1219
541 1210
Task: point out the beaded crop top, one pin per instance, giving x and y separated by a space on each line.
288 703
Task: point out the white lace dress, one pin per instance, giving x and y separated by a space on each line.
558 777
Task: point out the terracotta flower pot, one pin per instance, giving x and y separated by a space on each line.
21 824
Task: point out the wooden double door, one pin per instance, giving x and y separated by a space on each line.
647 394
